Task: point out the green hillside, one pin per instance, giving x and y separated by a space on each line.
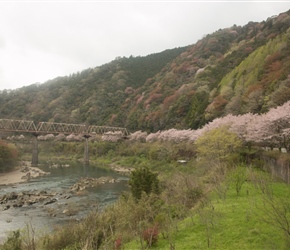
235 70
91 96
199 85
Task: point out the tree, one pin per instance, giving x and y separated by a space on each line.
143 180
218 144
8 155
275 208
238 177
272 128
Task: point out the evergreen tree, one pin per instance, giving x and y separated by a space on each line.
143 180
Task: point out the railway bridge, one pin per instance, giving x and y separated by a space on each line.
25 126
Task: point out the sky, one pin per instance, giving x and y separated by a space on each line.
42 40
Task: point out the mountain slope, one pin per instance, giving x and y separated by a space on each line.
233 70
90 96
203 83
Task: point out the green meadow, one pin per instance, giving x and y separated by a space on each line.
257 218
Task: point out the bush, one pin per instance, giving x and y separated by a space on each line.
159 153
8 156
218 144
13 241
238 177
182 190
150 235
118 243
143 180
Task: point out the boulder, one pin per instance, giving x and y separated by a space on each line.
6 207
50 201
86 182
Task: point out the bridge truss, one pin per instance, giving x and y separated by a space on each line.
25 126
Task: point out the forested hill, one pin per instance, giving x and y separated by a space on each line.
91 96
234 70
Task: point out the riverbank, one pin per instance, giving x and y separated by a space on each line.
120 169
49 201
21 174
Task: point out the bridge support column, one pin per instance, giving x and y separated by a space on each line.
34 161
86 151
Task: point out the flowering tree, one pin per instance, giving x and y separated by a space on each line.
112 136
138 136
152 137
73 137
48 137
271 129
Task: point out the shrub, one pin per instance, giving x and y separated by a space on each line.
238 177
150 235
13 241
118 243
218 144
143 180
8 156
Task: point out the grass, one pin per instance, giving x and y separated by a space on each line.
237 222
243 221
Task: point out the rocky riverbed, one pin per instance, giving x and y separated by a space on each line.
28 198
69 192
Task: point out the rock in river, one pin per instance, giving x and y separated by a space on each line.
86 182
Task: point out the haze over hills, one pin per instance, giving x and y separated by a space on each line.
235 70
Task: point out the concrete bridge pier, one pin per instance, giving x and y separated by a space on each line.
34 161
86 151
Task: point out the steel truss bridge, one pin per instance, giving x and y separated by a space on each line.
25 126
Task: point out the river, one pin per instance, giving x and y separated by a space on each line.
44 218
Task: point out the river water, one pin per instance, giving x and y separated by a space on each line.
44 218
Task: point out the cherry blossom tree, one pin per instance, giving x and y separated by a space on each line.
138 136
271 129
112 136
152 137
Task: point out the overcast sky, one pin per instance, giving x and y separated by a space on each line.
41 40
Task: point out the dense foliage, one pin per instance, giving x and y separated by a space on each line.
221 74
231 71
143 180
93 96
8 156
